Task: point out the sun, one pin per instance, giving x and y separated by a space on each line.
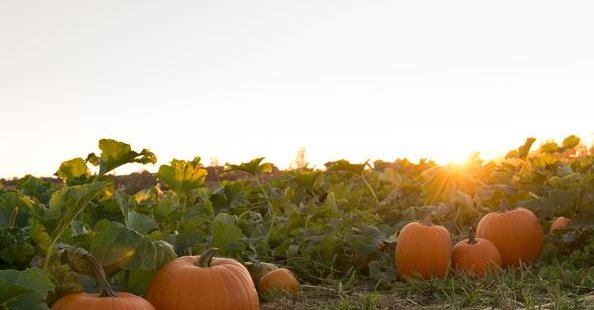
455 157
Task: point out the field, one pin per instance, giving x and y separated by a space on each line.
336 228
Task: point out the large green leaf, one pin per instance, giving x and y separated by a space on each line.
139 222
182 176
253 167
66 204
115 244
225 232
74 171
115 153
24 290
570 141
307 179
345 166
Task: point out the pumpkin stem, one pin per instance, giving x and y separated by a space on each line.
206 258
106 290
76 258
471 235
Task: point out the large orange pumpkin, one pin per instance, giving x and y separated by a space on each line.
107 299
516 233
203 282
475 255
119 301
423 250
281 279
559 223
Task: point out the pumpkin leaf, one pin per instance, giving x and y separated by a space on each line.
24 290
66 204
570 142
115 154
182 176
139 222
345 166
253 167
74 171
116 245
225 233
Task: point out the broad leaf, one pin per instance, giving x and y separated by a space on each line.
67 203
74 171
182 176
225 232
253 167
139 222
120 247
115 154
345 166
570 141
24 290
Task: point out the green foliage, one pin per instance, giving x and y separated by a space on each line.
74 171
16 208
253 167
182 176
16 247
115 154
345 166
24 290
327 226
117 246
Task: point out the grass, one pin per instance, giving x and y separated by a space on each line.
538 287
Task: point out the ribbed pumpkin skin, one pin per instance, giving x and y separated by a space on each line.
279 279
477 258
180 285
559 223
423 250
517 234
85 301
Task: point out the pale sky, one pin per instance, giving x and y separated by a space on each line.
239 79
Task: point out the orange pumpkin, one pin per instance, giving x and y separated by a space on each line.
107 299
119 301
203 282
517 234
423 250
475 255
259 269
281 279
559 223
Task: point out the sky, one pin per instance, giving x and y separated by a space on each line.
234 80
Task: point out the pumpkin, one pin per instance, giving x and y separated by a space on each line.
475 255
423 250
516 233
106 299
203 282
119 301
559 223
259 269
281 279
